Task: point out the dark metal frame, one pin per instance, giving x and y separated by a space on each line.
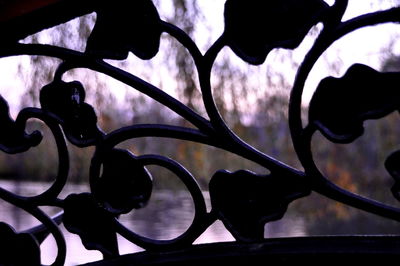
263 198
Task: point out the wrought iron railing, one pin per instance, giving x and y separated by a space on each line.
242 200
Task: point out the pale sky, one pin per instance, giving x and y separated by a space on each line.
363 46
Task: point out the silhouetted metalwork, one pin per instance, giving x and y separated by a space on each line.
243 201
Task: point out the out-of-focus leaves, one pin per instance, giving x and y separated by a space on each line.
13 138
124 26
17 248
84 216
125 183
66 100
339 106
254 27
245 201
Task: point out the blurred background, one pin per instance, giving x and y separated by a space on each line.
253 101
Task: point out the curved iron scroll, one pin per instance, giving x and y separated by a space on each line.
125 184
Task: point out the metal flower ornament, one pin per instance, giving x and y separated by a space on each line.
120 181
66 102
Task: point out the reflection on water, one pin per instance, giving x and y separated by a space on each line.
168 214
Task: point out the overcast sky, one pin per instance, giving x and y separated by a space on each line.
364 46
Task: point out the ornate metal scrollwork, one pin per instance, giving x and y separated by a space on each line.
244 201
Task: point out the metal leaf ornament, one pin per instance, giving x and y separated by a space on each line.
66 100
13 138
125 183
85 217
124 26
392 165
17 248
339 106
253 28
245 201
